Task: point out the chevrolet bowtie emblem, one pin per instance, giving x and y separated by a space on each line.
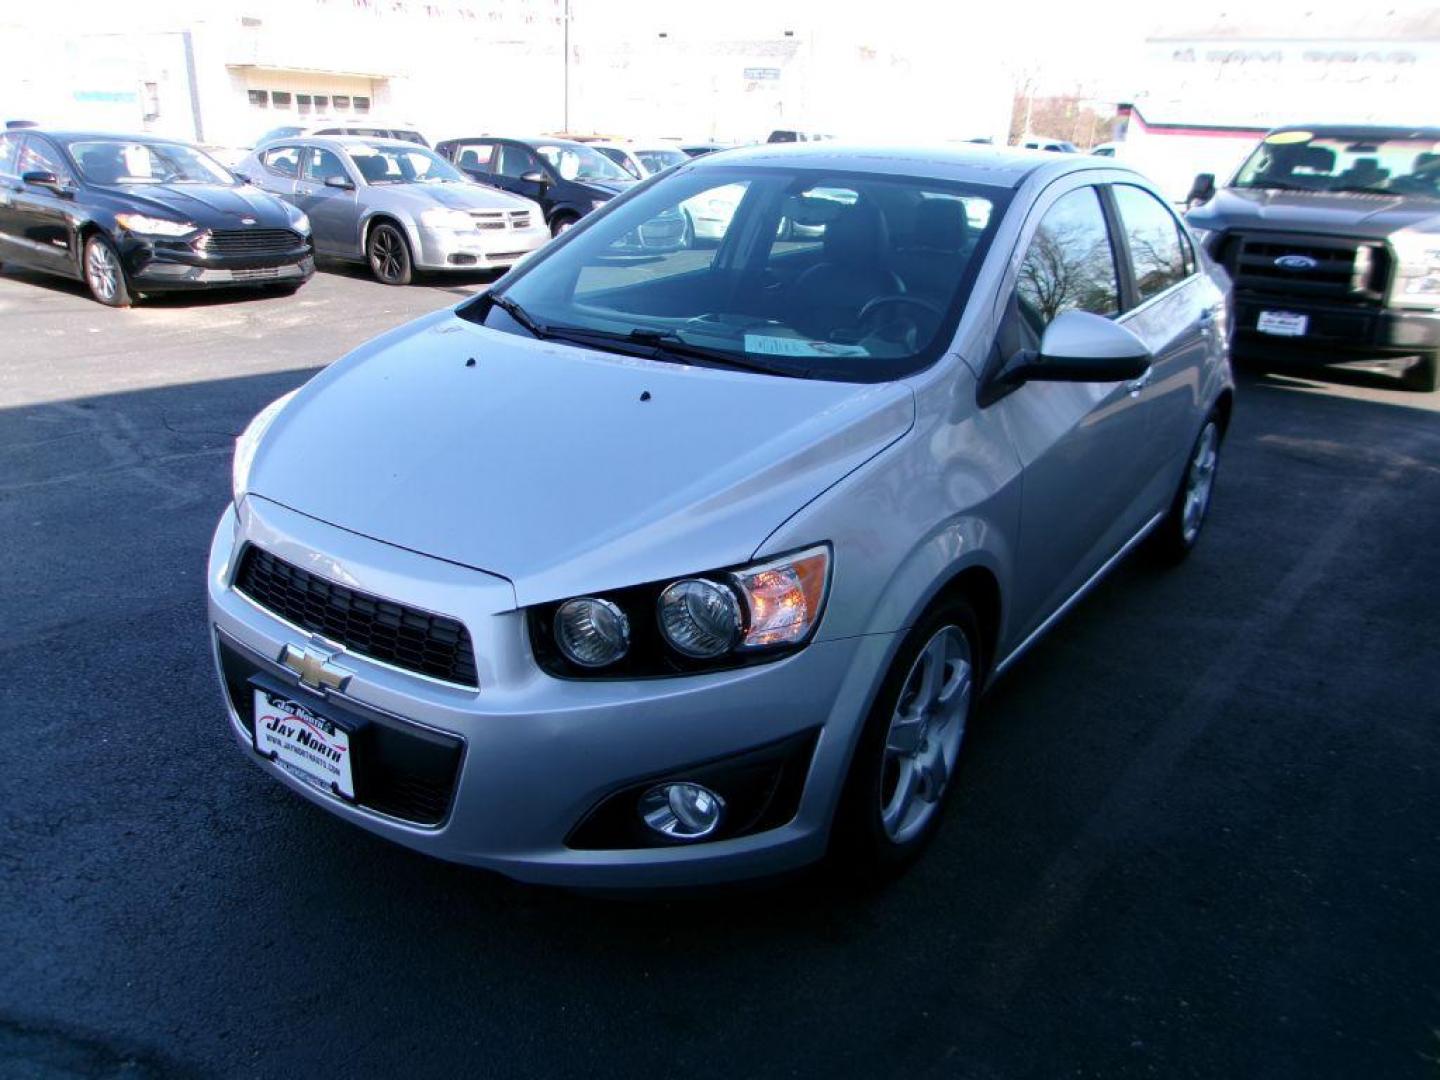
314 668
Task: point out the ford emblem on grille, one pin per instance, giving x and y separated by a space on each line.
1297 262
251 221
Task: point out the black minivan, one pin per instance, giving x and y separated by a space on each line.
134 214
568 179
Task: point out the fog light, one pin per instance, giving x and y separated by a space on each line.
682 811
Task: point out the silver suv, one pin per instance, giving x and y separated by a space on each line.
694 566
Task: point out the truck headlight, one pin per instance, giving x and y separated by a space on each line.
249 442
1417 278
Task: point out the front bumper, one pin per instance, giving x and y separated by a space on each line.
539 753
477 249
156 265
1335 332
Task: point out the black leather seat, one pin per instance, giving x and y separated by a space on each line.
830 294
931 263
103 165
373 168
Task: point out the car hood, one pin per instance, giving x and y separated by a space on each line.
607 188
565 470
1375 216
453 196
208 205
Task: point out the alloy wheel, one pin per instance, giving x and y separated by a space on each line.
387 254
1200 482
926 729
102 272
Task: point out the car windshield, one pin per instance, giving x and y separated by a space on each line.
381 164
660 160
1343 161
117 161
581 163
850 276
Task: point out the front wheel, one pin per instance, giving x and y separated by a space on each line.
389 255
909 750
562 224
104 275
1179 530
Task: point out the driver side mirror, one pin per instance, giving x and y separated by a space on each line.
535 176
1081 347
47 180
1202 191
344 183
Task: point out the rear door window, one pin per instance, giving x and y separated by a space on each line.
1157 246
9 154
475 156
322 164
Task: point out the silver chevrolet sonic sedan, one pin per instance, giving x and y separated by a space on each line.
678 567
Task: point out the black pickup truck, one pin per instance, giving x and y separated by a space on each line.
1331 235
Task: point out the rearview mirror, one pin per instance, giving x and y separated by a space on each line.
535 176
344 183
1081 347
1202 191
46 180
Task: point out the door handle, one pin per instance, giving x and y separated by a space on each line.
1134 386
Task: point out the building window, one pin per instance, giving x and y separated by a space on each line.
362 104
322 102
341 102
302 104
260 98
280 98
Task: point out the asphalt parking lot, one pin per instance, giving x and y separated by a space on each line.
1197 833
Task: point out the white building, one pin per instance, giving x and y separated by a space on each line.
227 70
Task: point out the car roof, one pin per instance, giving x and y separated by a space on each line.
70 135
972 163
340 142
525 140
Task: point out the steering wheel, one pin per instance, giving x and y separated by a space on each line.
899 298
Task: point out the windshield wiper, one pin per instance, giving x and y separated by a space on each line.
519 314
664 345
1362 190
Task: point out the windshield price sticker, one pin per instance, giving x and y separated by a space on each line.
785 346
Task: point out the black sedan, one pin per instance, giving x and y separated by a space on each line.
130 215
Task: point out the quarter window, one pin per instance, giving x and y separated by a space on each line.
1157 253
9 154
284 160
37 157
1069 265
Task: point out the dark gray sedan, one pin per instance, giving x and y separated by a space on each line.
398 206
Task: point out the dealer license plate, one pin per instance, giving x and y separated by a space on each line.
1283 323
310 747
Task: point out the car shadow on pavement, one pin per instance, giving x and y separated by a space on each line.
1379 374
462 282
1206 796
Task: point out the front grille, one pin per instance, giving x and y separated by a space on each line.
249 241
401 769
500 219
418 641
258 273
1344 270
519 219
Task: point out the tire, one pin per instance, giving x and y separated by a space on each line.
913 736
388 253
562 223
1424 375
1179 531
104 274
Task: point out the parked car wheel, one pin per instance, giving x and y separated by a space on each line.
562 223
1175 537
104 275
389 255
1424 375
909 749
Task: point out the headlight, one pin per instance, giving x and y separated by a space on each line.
438 217
1417 282
301 224
592 633
154 226
248 442
727 618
